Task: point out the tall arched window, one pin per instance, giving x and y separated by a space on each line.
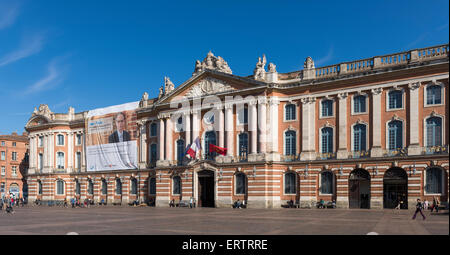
77 187
327 140
327 108
90 187
290 143
290 113
118 187
434 131
60 187
395 130
395 99
60 160
39 187
104 187
359 137
60 139
290 181
434 180
134 186
240 184
153 153
243 146
359 104
153 129
152 188
210 138
326 180
434 94
177 185
180 151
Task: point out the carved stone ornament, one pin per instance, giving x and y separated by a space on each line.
213 63
161 92
168 85
309 63
272 68
259 73
43 110
208 86
144 100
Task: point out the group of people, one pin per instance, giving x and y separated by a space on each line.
76 202
9 201
192 203
425 206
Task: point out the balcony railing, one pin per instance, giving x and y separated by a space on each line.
360 154
328 155
435 150
399 152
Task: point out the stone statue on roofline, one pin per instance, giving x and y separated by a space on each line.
213 63
309 63
272 68
169 87
161 92
259 73
144 100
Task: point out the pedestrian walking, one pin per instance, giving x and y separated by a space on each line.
435 205
425 205
419 207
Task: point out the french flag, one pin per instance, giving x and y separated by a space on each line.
195 146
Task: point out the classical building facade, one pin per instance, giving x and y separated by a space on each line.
13 165
363 133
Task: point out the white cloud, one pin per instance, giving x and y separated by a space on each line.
325 59
8 14
55 74
29 46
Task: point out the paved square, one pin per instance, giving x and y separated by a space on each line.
112 220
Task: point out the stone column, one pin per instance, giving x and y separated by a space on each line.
32 155
229 128
142 144
262 124
70 145
252 128
343 151
195 124
161 142
45 153
376 150
308 128
169 139
272 143
188 127
414 147
83 152
221 127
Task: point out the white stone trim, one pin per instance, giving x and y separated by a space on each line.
352 134
403 132
443 180
424 123
366 96
296 111
425 93
333 187
392 89
333 107
333 140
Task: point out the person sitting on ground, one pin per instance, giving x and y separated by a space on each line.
321 203
172 203
238 204
103 202
290 204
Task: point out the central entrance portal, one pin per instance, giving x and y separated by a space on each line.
395 188
359 189
206 188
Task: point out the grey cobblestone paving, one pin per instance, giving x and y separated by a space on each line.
111 220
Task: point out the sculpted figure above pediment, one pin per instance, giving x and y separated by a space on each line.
43 110
208 86
213 63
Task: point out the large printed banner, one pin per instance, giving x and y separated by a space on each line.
111 138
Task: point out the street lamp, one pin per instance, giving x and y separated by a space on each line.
306 171
254 171
341 172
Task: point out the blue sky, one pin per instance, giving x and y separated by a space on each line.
92 54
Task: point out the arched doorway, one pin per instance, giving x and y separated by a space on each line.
206 188
359 189
395 188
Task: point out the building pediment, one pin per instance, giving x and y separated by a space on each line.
209 83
